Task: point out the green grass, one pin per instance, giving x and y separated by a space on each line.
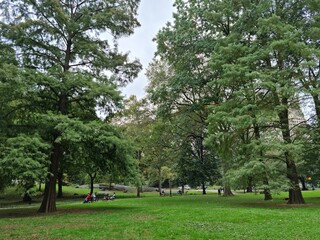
244 216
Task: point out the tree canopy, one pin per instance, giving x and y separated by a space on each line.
67 51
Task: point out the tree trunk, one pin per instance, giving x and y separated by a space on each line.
295 195
49 199
204 189
138 191
110 183
266 190
60 183
316 105
92 177
160 188
227 191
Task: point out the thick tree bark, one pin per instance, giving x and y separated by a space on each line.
295 195
49 199
227 191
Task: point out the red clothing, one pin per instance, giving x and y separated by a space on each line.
88 198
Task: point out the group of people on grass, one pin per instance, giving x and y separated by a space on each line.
93 198
108 197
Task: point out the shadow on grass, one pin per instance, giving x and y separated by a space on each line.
63 210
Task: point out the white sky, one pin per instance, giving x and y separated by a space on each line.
152 15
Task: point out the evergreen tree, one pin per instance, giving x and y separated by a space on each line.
62 50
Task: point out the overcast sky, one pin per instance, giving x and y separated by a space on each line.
153 15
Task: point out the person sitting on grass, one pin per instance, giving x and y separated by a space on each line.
94 197
87 199
106 197
113 196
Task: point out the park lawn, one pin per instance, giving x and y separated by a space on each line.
244 216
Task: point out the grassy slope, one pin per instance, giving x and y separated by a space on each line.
244 216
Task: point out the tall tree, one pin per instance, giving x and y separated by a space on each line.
244 59
60 41
187 46
265 46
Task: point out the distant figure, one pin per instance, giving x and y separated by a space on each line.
106 197
94 197
219 191
87 199
113 196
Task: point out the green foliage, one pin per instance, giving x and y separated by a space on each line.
179 87
24 160
68 68
234 71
